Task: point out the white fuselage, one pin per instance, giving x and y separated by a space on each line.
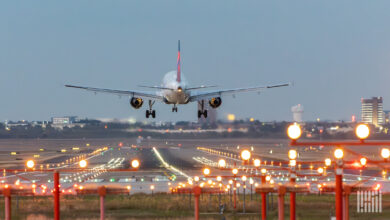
176 94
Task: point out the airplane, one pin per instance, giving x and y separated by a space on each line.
174 91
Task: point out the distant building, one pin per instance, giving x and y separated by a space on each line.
211 116
372 111
387 116
297 111
63 120
66 121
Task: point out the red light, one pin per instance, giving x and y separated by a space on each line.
120 144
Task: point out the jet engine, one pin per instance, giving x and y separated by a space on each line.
215 102
136 102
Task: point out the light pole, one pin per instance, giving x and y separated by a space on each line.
243 178
263 196
230 186
235 172
219 179
339 154
251 182
292 155
56 195
152 189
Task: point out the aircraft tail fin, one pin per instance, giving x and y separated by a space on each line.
178 77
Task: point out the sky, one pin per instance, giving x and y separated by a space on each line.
335 52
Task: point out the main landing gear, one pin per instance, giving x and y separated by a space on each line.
202 111
150 112
174 108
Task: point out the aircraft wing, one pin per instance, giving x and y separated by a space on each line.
212 94
149 95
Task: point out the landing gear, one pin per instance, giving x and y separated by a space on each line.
202 111
150 112
174 108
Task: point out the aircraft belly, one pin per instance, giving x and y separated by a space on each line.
176 98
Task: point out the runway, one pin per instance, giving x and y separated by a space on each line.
163 162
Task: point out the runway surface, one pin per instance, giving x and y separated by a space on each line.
165 162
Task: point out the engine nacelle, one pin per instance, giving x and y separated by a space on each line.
136 102
215 102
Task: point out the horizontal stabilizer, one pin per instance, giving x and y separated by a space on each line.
155 87
201 87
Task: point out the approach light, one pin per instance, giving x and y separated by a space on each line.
243 178
235 171
385 153
206 171
267 178
196 178
377 187
363 161
135 163
251 181
30 164
362 131
292 154
246 155
339 153
293 163
263 171
320 170
219 178
83 163
221 163
257 162
294 131
328 162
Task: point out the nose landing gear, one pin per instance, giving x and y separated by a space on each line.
174 108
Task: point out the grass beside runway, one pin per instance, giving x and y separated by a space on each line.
166 206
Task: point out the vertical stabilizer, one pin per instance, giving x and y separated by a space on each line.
178 77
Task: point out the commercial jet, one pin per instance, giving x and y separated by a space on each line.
174 91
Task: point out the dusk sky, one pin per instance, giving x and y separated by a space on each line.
335 52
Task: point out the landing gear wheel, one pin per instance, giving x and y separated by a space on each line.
205 113
199 114
150 112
